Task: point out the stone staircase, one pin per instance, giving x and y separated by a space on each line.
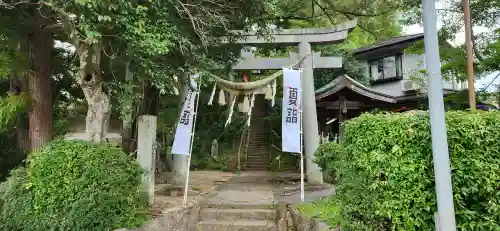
258 148
237 218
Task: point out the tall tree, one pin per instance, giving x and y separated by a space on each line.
377 19
486 44
40 46
25 27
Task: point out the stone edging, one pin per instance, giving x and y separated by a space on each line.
183 218
289 218
177 218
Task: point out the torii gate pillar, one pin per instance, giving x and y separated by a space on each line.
309 115
302 38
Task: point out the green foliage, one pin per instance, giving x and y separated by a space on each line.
223 162
326 157
74 185
486 33
10 157
377 19
210 125
326 209
16 202
386 179
10 107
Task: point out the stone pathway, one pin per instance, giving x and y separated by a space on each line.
247 188
247 202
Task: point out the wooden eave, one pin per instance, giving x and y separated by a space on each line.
345 81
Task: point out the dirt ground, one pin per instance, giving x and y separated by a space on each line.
200 184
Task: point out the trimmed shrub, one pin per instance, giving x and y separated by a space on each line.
74 185
386 177
326 157
16 202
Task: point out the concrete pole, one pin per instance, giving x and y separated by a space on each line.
442 172
310 121
146 139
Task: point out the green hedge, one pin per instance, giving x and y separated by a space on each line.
74 185
327 156
386 177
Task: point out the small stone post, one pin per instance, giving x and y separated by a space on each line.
146 140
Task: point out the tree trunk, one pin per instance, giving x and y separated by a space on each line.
98 101
22 134
98 114
128 111
40 85
148 106
180 161
18 85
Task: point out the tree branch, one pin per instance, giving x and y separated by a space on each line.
346 14
14 4
203 17
67 25
352 13
323 9
474 44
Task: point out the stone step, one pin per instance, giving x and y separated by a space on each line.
257 161
257 167
257 157
257 164
237 214
239 225
238 206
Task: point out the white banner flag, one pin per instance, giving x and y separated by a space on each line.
182 140
184 130
292 107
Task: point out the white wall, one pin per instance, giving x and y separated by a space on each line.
412 66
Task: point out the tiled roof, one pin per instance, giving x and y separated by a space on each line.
345 81
388 42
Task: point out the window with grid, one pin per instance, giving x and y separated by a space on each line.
386 68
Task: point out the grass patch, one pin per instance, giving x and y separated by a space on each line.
327 210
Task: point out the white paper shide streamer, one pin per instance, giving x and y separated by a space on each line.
292 104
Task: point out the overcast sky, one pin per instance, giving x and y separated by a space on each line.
459 39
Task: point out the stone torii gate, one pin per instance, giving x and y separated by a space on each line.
303 39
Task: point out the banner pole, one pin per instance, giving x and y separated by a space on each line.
184 202
301 145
